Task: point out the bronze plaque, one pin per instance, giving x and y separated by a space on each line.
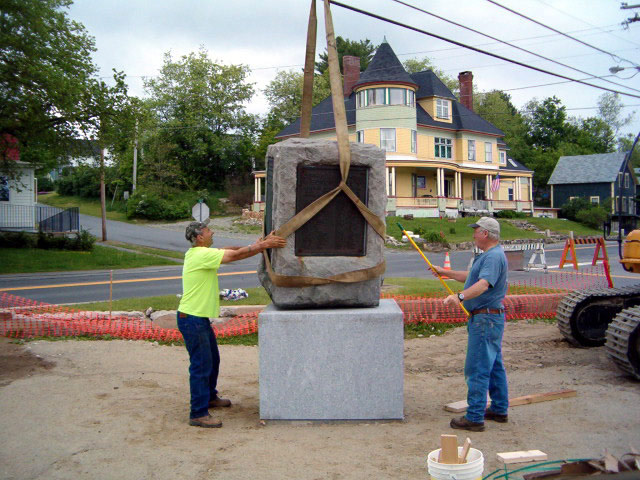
339 229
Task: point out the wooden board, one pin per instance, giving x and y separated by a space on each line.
449 449
521 457
461 406
465 450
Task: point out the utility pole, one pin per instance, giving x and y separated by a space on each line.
135 159
103 204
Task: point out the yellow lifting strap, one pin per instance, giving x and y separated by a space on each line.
344 152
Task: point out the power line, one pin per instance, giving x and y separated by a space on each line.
439 37
559 32
401 2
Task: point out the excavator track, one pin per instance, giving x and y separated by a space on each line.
623 341
583 316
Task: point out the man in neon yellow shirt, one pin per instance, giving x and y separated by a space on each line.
200 301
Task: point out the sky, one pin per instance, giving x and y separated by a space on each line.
268 36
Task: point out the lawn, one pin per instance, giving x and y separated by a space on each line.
561 225
30 260
454 230
149 250
87 206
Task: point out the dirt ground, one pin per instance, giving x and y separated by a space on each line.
118 409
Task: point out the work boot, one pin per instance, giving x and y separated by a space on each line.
206 422
218 402
462 423
496 417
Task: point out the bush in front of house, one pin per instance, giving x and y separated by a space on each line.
570 209
510 214
151 204
592 217
81 241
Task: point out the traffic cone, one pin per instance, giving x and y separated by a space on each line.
447 263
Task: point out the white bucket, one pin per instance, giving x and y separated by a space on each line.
472 470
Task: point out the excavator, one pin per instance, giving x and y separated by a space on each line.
609 316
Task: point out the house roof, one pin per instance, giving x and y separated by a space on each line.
596 168
384 67
514 165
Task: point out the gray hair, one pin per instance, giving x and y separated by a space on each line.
193 230
493 236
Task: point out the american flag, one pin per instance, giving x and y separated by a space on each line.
495 185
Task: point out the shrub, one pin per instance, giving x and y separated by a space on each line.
592 217
452 230
570 209
510 214
17 240
82 240
45 184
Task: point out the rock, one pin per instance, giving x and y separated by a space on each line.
287 156
148 312
165 318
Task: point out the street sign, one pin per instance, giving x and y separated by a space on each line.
200 211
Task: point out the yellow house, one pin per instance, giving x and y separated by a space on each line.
442 158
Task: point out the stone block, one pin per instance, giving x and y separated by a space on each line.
283 162
332 364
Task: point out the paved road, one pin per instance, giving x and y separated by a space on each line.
86 286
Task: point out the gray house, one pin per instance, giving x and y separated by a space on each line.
594 177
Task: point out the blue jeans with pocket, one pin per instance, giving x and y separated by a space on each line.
204 357
483 369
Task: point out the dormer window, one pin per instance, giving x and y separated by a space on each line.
442 108
503 158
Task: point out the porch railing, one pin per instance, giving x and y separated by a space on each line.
416 202
36 217
475 205
504 204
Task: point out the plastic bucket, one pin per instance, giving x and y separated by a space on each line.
472 470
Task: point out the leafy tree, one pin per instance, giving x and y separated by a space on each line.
198 105
625 143
45 73
610 111
546 122
361 48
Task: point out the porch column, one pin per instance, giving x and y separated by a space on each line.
531 192
393 181
487 189
256 198
438 182
259 188
518 191
387 177
459 184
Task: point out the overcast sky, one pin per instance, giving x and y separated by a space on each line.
133 35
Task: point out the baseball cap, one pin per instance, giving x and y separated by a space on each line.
489 224
195 228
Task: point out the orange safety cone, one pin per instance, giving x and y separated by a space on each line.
447 263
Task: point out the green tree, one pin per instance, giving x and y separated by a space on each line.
45 73
361 48
610 111
199 109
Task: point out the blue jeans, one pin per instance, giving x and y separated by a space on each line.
483 369
204 361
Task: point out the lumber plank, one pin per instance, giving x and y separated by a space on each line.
461 406
521 456
448 449
465 450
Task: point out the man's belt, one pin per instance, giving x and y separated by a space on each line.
487 310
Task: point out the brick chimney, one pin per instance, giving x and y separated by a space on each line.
351 73
466 89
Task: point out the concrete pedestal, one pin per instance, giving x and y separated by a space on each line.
332 364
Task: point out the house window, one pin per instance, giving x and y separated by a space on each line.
510 194
478 188
360 136
4 188
396 96
375 96
411 98
503 158
488 152
361 99
421 182
626 180
414 141
443 147
595 200
388 139
472 150
617 204
619 179
624 204
442 108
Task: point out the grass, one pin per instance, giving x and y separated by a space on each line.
148 250
420 287
454 231
87 206
563 226
30 260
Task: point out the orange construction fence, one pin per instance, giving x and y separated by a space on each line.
527 298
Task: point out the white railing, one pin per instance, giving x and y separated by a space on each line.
416 202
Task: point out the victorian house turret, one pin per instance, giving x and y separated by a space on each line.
441 157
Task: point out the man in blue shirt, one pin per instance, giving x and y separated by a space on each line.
485 287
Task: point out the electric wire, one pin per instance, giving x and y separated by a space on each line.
401 2
484 52
612 55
